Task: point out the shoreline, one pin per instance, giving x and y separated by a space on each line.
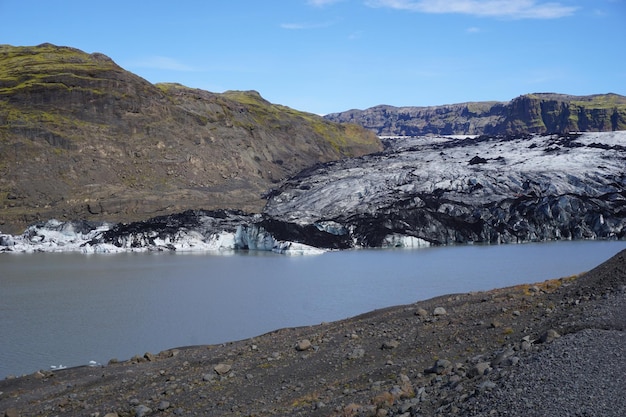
78 340
452 354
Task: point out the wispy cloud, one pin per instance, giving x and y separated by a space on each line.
473 29
514 9
355 35
162 63
321 3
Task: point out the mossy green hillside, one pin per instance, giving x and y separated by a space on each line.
80 137
342 137
47 65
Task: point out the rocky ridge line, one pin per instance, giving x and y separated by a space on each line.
530 113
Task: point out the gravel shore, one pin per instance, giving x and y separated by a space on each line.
552 348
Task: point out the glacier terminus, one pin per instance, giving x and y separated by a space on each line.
419 191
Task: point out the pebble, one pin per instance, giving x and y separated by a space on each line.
549 336
439 311
390 344
440 367
303 345
421 312
480 368
357 353
142 410
222 368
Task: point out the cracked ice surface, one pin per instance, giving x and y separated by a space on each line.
591 164
446 190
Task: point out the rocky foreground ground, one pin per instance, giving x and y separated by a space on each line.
554 348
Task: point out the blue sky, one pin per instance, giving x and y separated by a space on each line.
326 56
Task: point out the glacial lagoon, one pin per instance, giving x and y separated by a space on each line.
67 309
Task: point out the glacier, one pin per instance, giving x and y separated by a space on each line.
205 236
418 192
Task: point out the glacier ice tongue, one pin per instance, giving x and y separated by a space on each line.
447 190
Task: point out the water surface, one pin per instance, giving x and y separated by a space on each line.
69 309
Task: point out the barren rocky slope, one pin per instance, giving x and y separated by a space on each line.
553 348
530 113
81 138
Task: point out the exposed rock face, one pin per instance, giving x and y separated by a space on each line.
430 190
532 113
81 138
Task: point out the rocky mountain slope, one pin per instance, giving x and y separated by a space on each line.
532 113
81 138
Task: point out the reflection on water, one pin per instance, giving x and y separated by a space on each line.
69 309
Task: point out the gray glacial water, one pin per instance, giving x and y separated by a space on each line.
68 308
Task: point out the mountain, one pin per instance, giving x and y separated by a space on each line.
81 138
532 113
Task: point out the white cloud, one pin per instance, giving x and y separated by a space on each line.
473 29
515 9
162 63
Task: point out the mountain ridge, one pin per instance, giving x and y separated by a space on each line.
82 138
529 113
